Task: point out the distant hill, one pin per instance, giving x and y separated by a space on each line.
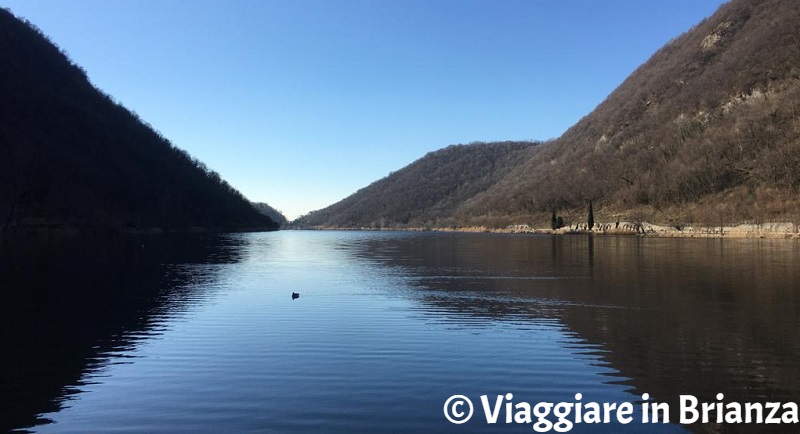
270 212
74 158
427 191
706 131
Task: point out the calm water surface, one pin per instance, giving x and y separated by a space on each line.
201 334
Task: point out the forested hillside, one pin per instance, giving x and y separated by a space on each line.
707 131
427 191
71 157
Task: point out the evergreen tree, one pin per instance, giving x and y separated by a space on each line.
591 216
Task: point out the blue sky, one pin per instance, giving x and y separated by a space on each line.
300 103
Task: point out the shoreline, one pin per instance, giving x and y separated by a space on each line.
646 230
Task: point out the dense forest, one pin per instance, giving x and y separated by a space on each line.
426 192
74 158
707 131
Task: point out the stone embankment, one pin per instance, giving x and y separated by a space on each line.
764 230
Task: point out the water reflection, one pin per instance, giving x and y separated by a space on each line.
72 304
673 316
201 333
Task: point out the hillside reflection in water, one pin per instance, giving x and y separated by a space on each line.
200 333
672 316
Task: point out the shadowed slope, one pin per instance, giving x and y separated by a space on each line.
74 158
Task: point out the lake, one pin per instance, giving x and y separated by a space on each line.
200 333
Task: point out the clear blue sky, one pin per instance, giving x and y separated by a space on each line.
300 103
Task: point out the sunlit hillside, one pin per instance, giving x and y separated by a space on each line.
706 131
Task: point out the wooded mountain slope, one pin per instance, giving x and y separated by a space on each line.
706 131
72 157
427 191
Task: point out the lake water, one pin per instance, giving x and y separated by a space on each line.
201 334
